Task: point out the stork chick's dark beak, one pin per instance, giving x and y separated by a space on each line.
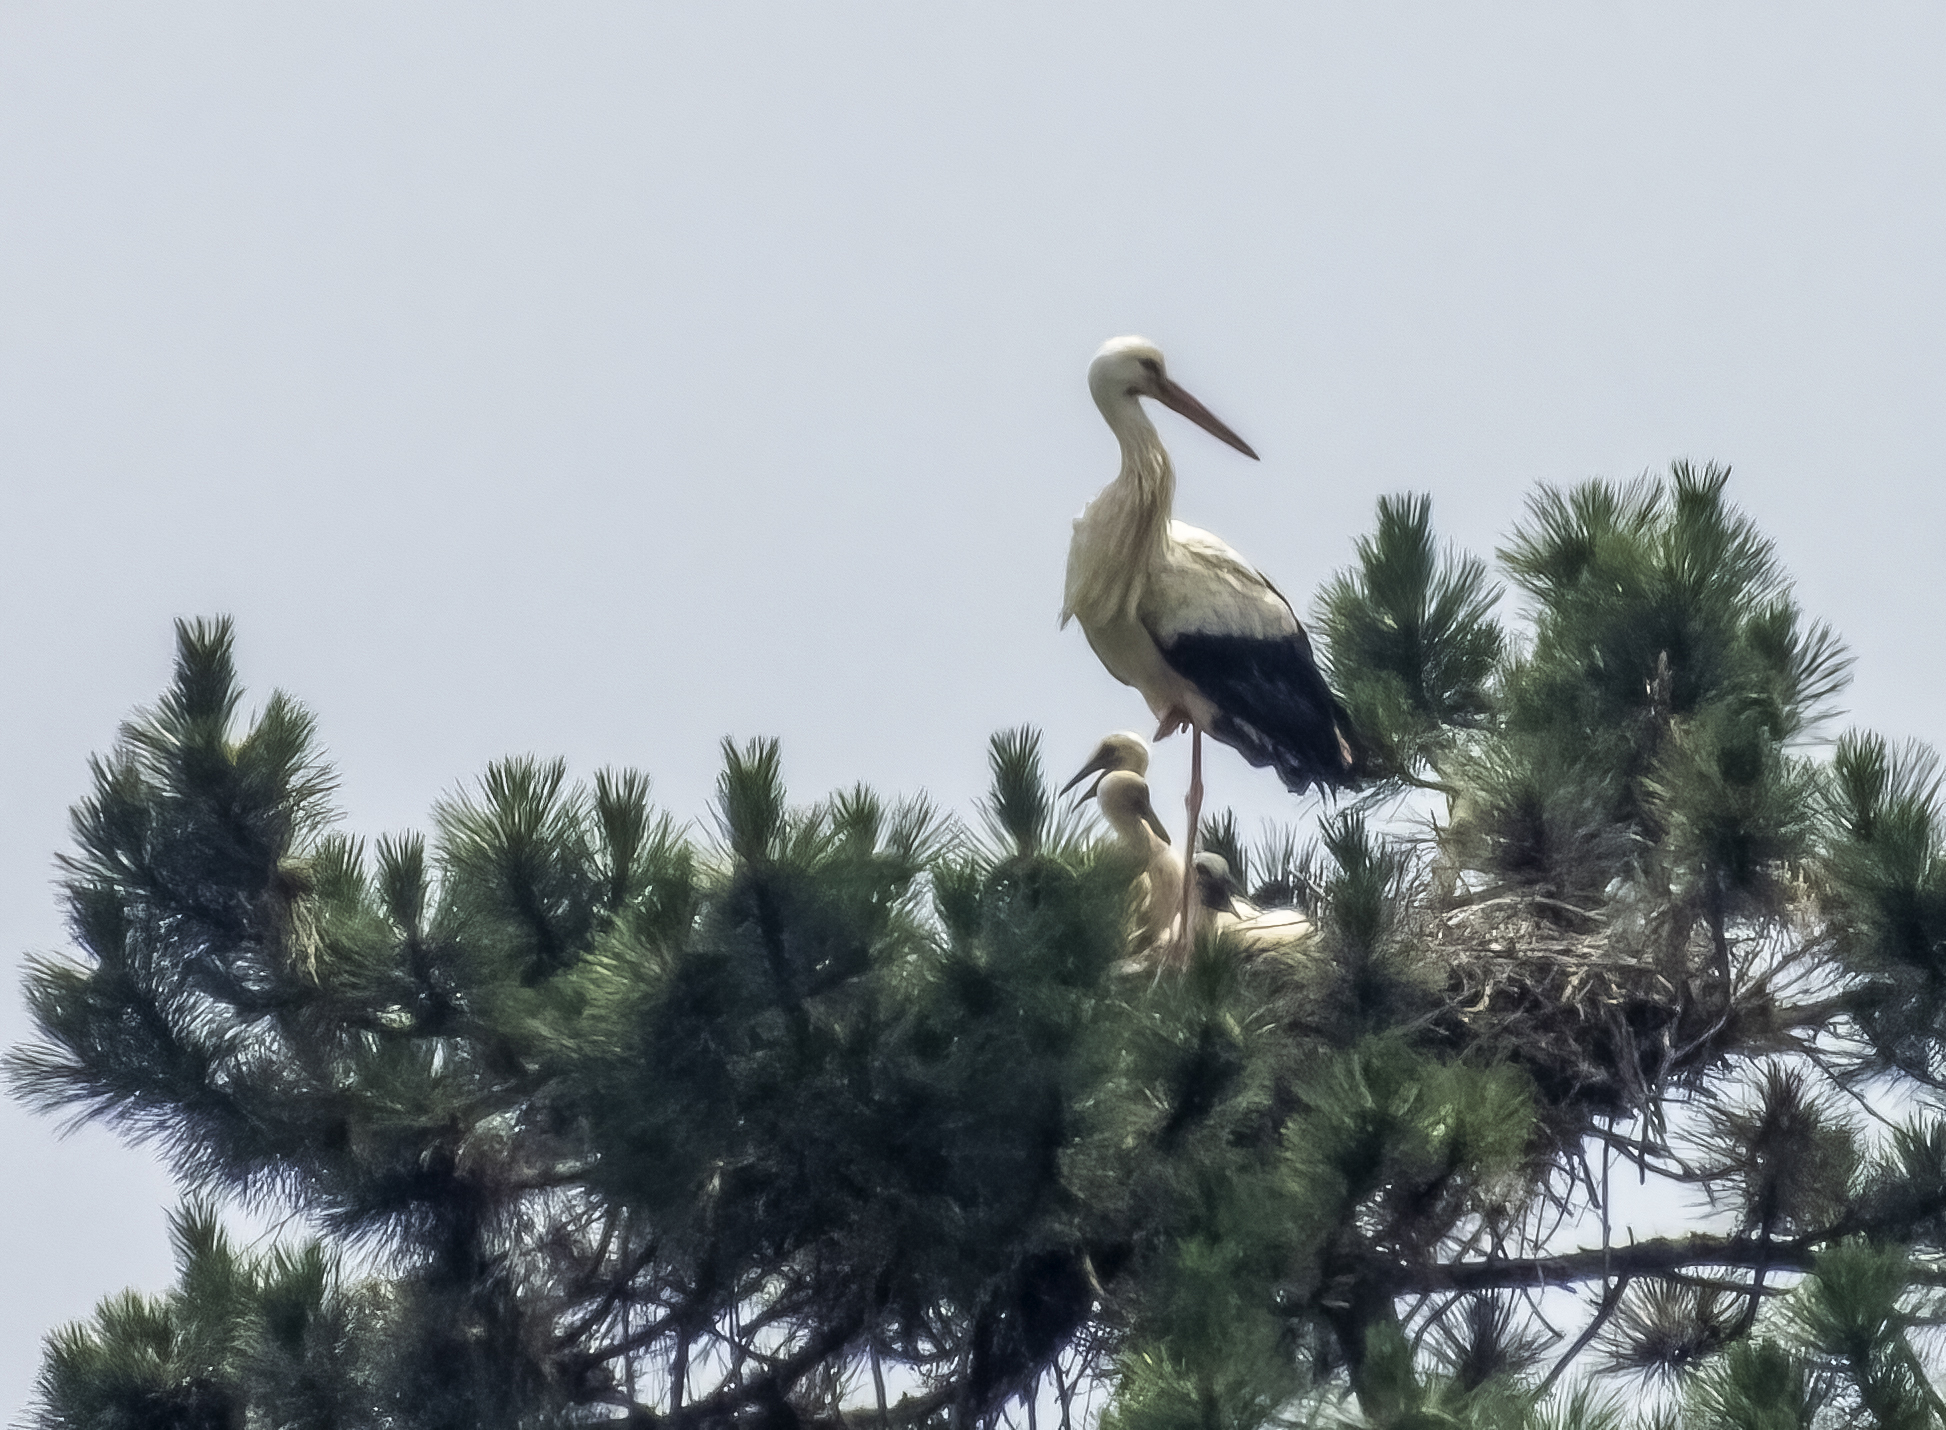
1150 818
1099 764
1088 793
1173 396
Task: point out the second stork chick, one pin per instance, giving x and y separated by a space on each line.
1124 800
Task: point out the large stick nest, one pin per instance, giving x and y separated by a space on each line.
1606 1015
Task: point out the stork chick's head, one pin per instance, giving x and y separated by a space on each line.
1130 368
1216 887
1124 800
1123 750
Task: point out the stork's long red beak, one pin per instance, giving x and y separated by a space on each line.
1173 396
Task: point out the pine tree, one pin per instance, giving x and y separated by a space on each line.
851 1113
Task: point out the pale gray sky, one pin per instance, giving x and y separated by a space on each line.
604 379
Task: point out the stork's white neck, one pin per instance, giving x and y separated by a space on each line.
1124 529
1122 411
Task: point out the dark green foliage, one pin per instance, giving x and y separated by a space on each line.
1903 1192
1284 869
1668 1327
1852 1316
1221 837
1758 1385
596 1096
1842 1355
1786 1156
840 1113
271 1336
1374 977
1884 859
1486 1340
1735 812
1667 670
1656 601
1021 815
523 890
1412 639
1537 812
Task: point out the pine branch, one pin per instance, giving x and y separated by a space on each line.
767 1390
1610 1299
620 1282
1642 1258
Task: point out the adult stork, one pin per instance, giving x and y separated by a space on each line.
1176 613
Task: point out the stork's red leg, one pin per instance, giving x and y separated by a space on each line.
1195 802
1173 720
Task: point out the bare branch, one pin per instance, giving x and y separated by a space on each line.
1641 1258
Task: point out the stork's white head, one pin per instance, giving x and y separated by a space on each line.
1124 368
1130 368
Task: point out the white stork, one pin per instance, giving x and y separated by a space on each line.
1222 909
1124 799
1254 931
1131 814
1179 615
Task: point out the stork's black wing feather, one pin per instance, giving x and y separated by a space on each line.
1275 708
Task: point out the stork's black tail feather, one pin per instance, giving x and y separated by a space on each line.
1274 707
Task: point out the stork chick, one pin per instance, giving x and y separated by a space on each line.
1254 931
1123 750
1124 799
